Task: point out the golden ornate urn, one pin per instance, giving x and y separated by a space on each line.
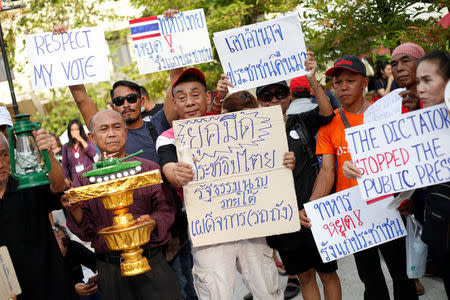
126 234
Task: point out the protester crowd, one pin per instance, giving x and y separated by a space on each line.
47 262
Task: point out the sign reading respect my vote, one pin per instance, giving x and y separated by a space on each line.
402 153
167 43
76 57
262 53
343 223
241 189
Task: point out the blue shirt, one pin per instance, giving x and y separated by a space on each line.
140 138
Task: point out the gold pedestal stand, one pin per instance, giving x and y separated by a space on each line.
126 234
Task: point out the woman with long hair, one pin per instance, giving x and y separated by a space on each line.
56 147
384 83
78 153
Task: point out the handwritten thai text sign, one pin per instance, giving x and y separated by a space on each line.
8 279
241 189
386 107
167 43
76 57
402 153
343 223
262 53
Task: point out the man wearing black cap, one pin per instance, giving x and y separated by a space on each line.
349 80
298 250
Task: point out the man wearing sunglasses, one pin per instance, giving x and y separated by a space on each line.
298 250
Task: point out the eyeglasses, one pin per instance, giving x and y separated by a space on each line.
268 96
119 101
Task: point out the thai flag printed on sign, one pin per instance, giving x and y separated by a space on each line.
144 28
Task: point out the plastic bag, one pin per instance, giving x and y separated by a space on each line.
416 250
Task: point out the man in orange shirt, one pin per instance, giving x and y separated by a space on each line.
349 81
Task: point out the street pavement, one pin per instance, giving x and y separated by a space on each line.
352 288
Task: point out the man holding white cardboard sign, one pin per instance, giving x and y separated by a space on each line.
228 215
163 43
349 80
262 53
74 57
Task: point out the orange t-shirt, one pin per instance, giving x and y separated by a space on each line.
331 140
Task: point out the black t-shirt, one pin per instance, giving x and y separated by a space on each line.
26 231
78 255
304 172
381 83
147 115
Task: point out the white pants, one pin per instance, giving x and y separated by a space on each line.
214 270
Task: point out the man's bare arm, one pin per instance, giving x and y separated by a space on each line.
85 104
325 179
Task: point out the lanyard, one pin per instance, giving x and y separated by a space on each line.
76 154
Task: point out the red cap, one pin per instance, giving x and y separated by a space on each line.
299 84
190 71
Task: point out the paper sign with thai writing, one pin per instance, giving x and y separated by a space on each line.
241 189
76 57
343 223
385 107
402 153
8 279
262 53
167 43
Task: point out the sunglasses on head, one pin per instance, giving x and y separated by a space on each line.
119 101
268 96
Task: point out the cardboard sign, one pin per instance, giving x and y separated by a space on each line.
386 107
241 189
168 43
8 279
76 57
262 53
402 153
343 223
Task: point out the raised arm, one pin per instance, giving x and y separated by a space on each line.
325 108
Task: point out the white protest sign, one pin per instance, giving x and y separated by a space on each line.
8 279
343 223
386 107
402 153
241 189
76 57
167 43
262 53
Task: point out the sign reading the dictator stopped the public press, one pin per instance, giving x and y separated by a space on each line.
76 57
241 189
167 43
402 153
343 223
262 53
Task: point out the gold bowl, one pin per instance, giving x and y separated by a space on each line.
127 236
115 186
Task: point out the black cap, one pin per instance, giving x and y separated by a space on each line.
260 89
348 62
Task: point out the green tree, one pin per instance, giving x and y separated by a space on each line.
357 27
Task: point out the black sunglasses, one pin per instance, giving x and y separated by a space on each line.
119 101
268 96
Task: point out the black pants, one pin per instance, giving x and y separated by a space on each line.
158 283
370 272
